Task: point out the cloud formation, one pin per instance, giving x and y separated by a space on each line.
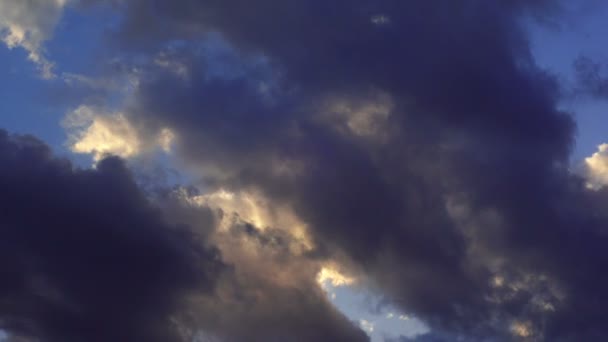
92 131
87 256
595 168
415 143
271 292
101 135
418 138
28 24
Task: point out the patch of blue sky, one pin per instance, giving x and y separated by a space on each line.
555 48
381 321
23 109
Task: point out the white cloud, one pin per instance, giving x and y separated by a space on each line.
595 168
367 325
254 208
92 131
330 275
28 24
101 134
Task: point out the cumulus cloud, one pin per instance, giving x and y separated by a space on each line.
88 256
435 171
334 277
100 134
28 24
85 256
595 168
424 170
271 292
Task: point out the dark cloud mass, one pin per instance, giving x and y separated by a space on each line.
85 257
417 136
417 139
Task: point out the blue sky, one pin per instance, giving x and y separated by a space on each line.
556 49
38 106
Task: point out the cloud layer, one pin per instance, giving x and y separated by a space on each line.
84 254
417 144
427 146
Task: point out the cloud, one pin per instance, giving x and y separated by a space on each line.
271 292
86 257
100 134
435 170
367 326
28 24
521 329
595 168
333 277
448 125
468 182
364 118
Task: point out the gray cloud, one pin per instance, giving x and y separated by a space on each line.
87 256
418 139
468 185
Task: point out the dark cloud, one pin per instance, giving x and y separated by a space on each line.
270 293
86 256
462 210
418 137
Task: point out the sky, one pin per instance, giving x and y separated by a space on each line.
303 170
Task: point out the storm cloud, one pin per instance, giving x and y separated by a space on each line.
86 255
419 138
417 142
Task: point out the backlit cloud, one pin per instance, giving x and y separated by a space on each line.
595 168
330 276
330 148
100 134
